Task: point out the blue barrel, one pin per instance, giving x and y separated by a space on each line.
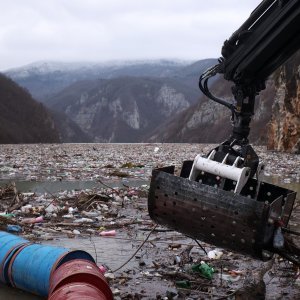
30 269
9 244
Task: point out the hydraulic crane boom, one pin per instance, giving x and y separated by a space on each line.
264 42
220 198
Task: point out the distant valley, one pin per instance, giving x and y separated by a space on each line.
156 101
122 102
45 79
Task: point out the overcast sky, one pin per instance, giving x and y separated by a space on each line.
101 30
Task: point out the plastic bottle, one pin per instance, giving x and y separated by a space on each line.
214 254
102 269
14 228
204 269
7 215
183 284
278 239
33 220
108 233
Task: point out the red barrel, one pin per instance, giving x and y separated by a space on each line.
75 291
82 272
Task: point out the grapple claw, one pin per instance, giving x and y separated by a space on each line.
243 222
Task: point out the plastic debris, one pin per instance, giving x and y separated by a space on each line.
84 220
278 239
26 209
215 254
108 233
116 292
7 215
183 284
68 216
109 276
102 269
229 277
177 260
32 220
90 214
13 228
72 210
51 208
81 197
204 269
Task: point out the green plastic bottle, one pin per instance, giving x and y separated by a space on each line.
7 215
204 269
183 284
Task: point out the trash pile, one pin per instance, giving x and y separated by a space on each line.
55 162
167 266
139 259
68 212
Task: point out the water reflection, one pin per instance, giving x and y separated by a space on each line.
58 186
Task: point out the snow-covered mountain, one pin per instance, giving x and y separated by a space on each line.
46 78
113 101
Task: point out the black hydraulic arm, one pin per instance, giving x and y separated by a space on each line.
265 41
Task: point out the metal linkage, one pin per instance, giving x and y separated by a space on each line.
204 165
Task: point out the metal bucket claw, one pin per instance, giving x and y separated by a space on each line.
243 222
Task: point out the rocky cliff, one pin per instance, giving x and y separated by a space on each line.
276 121
209 122
284 127
123 109
164 106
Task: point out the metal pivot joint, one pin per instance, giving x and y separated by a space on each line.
244 110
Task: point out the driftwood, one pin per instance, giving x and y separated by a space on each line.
10 198
5 220
17 200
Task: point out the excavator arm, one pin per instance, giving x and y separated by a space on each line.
263 43
220 197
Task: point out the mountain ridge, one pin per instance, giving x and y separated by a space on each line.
22 119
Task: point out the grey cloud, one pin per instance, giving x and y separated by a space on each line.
116 29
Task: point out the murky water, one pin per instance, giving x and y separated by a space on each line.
112 252
57 186
8 293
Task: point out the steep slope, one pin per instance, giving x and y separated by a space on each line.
190 74
276 121
209 122
22 119
123 109
69 131
284 128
